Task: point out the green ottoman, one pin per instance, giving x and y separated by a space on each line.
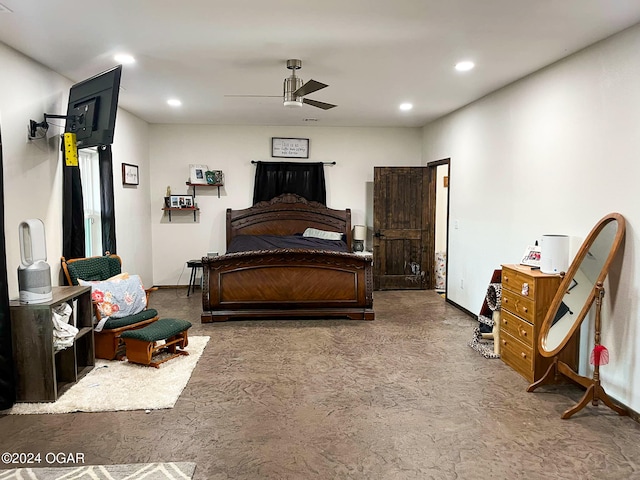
142 344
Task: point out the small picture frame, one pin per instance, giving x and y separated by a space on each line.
289 147
214 177
181 201
197 174
531 256
130 174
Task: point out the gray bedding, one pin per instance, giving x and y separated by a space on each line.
245 243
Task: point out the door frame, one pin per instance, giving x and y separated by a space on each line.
433 166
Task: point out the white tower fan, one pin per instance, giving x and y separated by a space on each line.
34 274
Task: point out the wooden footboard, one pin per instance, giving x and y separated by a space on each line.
287 283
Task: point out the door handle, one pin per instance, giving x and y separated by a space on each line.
378 234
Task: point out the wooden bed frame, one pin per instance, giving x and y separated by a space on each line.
287 282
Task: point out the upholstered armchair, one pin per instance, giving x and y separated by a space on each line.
120 301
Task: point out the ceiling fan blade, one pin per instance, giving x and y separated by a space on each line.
315 103
256 96
309 87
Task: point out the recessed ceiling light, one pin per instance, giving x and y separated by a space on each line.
174 102
465 66
406 106
124 58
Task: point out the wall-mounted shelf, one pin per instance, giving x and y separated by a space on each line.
194 185
193 209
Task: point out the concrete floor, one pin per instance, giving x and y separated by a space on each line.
402 397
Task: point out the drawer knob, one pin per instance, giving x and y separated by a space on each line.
504 342
524 355
525 309
504 320
523 332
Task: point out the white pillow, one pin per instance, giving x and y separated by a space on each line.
314 232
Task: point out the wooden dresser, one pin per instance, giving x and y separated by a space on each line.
526 296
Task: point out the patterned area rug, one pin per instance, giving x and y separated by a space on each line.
135 471
119 385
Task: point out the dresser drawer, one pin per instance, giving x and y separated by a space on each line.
517 355
517 328
521 306
515 281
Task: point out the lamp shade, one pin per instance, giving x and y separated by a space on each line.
359 232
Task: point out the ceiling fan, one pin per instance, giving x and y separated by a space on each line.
295 90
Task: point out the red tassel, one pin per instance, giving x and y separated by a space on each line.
599 355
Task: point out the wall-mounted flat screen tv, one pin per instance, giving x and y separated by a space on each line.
91 112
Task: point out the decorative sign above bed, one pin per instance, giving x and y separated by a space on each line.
290 147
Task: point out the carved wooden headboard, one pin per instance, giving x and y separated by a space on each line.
287 214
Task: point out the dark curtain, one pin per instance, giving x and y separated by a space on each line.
276 178
7 382
72 211
106 199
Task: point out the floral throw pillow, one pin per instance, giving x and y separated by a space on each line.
118 297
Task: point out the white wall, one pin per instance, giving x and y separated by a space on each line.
231 149
552 153
33 169
132 203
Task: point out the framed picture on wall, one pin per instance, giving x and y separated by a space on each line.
289 147
197 174
181 201
130 174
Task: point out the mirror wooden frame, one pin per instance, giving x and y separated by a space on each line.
594 389
570 275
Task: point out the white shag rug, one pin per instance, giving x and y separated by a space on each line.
120 385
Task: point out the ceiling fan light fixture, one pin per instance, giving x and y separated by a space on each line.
291 84
292 103
295 90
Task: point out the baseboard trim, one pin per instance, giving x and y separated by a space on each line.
461 308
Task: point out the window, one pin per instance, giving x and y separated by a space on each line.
90 177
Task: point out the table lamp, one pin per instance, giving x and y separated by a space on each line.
359 235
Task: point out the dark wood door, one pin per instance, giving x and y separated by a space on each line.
403 226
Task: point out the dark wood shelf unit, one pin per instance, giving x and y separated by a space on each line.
194 185
41 373
172 209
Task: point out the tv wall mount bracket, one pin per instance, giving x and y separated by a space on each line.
78 121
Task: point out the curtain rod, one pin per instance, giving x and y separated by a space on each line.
324 163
